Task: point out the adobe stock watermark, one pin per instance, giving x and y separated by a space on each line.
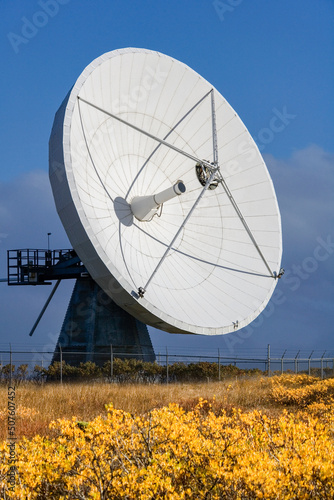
293 278
277 123
95 139
30 27
151 80
298 273
85 312
246 153
226 7
3 236
44 357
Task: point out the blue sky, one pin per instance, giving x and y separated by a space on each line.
266 58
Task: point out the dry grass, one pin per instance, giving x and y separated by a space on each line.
86 401
37 406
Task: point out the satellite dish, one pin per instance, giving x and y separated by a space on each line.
164 194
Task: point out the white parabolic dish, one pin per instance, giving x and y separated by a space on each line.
218 275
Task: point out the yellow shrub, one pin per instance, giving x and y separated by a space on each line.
174 454
301 390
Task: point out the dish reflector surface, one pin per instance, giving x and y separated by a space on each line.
213 279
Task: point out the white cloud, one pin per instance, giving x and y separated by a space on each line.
304 185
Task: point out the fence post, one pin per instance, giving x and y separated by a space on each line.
167 366
309 363
282 369
322 366
218 364
61 365
268 359
111 364
296 362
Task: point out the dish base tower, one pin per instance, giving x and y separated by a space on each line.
96 327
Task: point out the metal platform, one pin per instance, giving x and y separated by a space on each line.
38 267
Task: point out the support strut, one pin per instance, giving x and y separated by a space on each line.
44 308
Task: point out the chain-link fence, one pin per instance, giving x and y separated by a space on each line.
168 366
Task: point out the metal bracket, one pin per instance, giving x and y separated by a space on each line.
280 274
